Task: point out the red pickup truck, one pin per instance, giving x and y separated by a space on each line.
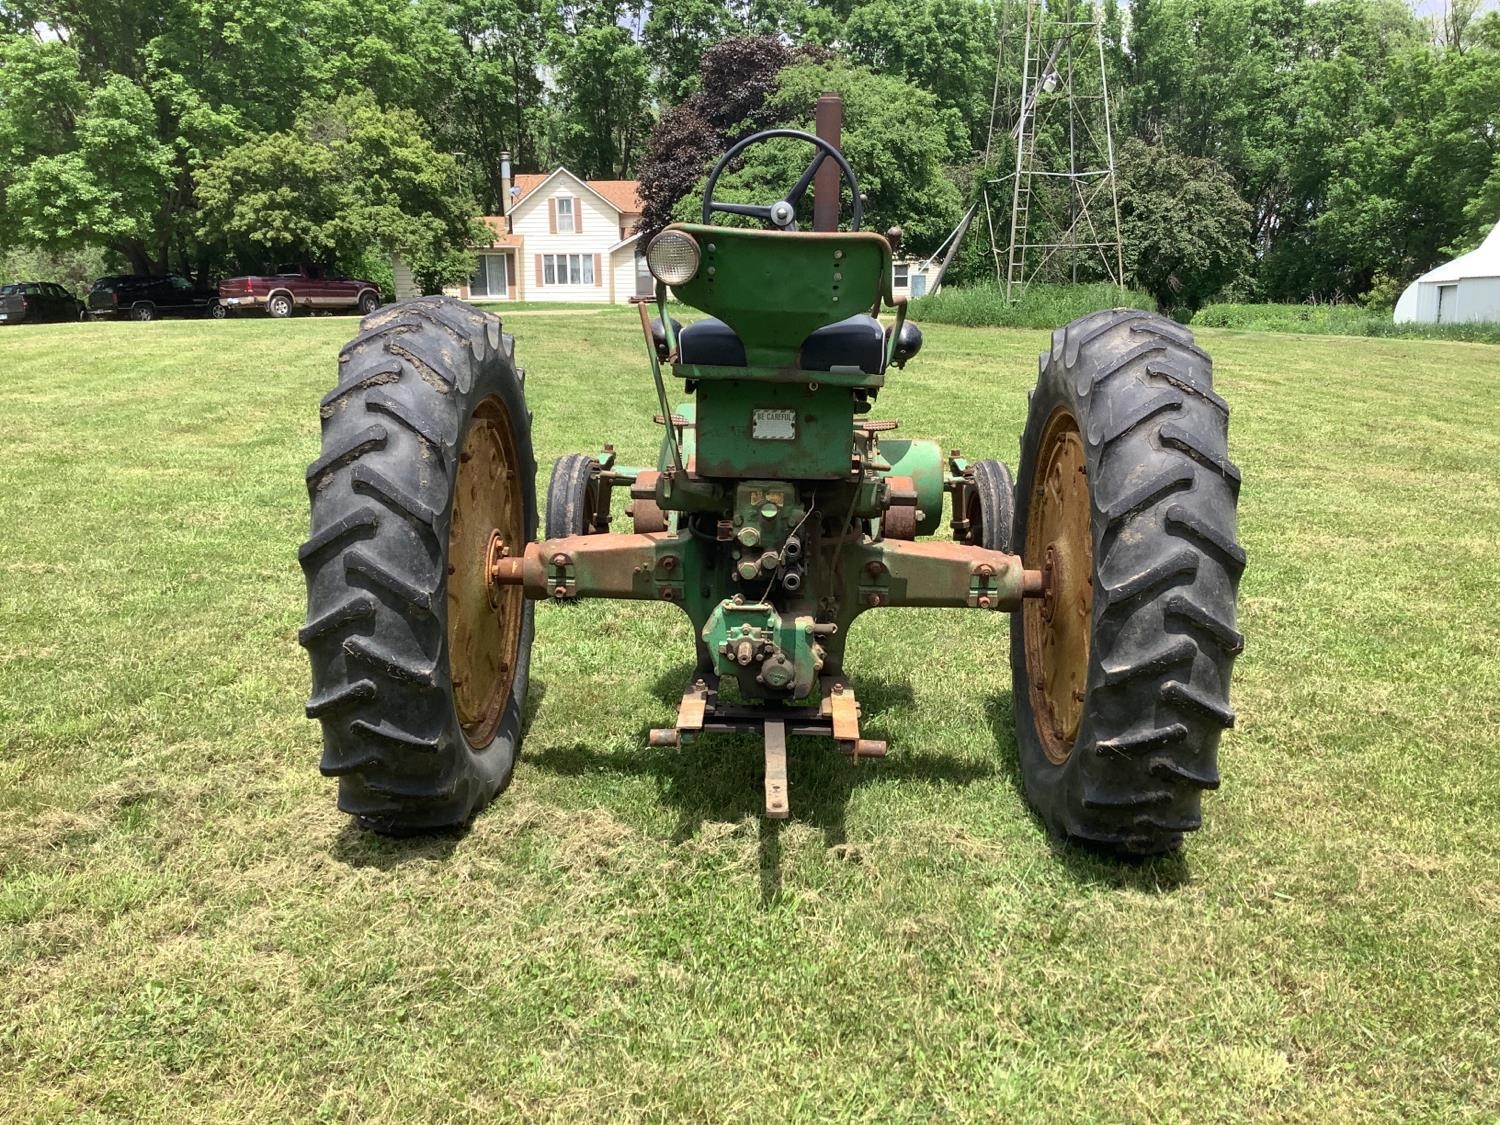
299 287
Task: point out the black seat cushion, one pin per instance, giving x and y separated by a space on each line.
856 342
711 343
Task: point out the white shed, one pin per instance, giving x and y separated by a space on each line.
1464 291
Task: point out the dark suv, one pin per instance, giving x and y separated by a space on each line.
140 297
36 301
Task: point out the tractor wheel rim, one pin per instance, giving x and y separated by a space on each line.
484 621
1059 542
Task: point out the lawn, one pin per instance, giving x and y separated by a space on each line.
190 931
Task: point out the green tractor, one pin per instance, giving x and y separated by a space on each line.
778 512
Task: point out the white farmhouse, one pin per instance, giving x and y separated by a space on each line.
564 238
1465 290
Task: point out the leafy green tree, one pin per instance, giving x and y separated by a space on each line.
496 104
349 178
676 34
603 82
946 47
737 77
1185 230
86 169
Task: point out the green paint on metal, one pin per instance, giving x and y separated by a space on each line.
775 287
747 428
921 460
770 655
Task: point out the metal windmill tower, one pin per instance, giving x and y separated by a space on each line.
1064 207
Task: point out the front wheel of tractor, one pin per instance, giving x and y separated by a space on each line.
573 498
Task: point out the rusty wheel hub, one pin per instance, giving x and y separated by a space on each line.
1059 541
484 616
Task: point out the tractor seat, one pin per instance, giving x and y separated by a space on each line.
856 342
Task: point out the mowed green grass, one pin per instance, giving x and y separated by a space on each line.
189 930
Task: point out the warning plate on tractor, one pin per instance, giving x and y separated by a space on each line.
774 425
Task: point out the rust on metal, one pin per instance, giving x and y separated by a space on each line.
1060 547
936 573
646 514
828 124
900 519
691 709
777 806
507 572
484 602
844 710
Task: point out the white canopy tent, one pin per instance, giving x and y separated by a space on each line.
1463 291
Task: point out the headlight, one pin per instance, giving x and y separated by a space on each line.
673 257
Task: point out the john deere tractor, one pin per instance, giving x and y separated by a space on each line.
779 511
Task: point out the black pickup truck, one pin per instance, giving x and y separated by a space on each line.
142 297
32 302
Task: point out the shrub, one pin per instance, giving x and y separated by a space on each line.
1039 306
1336 320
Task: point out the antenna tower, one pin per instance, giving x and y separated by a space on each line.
1064 206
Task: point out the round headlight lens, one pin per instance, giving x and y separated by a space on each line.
673 257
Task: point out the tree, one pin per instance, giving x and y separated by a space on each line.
946 47
677 33
737 78
496 104
602 85
348 179
896 137
79 168
1186 231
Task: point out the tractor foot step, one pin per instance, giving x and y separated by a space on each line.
777 807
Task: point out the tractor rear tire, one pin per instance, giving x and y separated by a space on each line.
419 665
571 497
1121 674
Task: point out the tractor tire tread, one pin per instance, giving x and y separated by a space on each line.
376 566
568 510
997 499
1167 565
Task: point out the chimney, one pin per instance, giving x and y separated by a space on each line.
505 183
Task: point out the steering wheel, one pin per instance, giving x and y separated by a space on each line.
783 213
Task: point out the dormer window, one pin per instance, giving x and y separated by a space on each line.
565 214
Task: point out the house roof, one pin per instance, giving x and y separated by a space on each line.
498 231
623 195
1483 262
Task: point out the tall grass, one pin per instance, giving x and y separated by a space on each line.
1039 306
1336 320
